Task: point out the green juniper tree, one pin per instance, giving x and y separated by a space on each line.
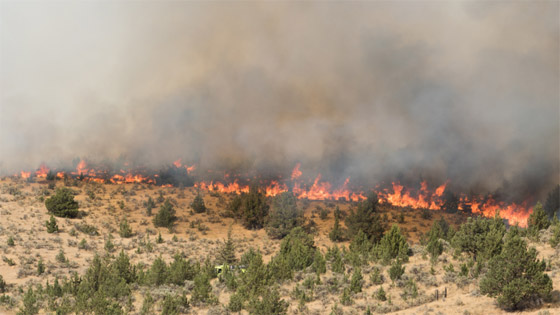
366 218
165 216
198 204
538 220
393 245
254 208
284 215
51 225
480 237
124 229
515 276
62 203
226 254
149 204
337 232
552 203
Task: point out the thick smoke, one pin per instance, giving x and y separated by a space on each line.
379 91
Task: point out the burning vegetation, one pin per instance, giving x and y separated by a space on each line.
438 198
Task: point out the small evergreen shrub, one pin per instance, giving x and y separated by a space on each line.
60 257
254 209
165 216
109 245
226 254
357 281
2 284
269 303
337 232
297 249
124 229
51 225
538 220
396 271
380 294
62 203
434 247
149 204
40 267
552 203
198 204
30 306
393 245
555 238
284 215
376 277
202 290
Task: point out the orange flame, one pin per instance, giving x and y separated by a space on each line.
424 200
190 169
399 195
42 171
177 163
296 173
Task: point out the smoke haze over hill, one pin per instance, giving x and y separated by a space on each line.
378 91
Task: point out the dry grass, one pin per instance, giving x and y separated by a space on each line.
23 216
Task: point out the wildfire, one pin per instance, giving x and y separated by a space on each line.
397 195
514 213
296 173
42 171
402 197
189 169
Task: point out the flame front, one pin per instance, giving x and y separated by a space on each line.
398 195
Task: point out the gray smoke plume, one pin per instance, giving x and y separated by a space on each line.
378 91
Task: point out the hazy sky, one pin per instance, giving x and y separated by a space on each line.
376 90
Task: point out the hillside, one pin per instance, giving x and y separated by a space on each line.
200 236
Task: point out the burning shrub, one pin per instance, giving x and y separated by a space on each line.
515 276
284 215
450 203
174 176
367 219
62 204
165 216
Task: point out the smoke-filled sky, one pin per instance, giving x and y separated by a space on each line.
466 91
